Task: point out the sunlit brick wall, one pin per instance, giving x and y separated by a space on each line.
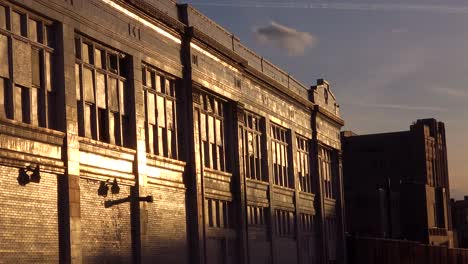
28 219
105 232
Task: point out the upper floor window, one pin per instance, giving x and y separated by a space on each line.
160 101
102 92
328 170
279 150
253 148
303 164
211 125
26 64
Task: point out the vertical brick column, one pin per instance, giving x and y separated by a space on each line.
139 211
69 188
271 193
319 197
191 151
236 121
292 170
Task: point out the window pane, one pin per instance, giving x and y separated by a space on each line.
22 70
122 96
35 64
113 62
151 109
148 78
77 82
99 54
48 36
101 90
161 114
48 71
18 101
113 95
86 53
3 98
33 30
34 106
158 83
16 23
2 17
169 114
4 62
88 85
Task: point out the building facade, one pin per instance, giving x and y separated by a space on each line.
397 184
141 131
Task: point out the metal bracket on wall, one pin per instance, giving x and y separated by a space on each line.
130 198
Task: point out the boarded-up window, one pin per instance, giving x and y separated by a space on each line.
328 169
279 146
101 90
25 68
211 129
4 61
33 30
302 164
35 68
161 129
253 147
22 63
103 110
3 17
88 85
16 23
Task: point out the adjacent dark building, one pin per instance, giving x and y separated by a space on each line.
141 131
460 221
397 184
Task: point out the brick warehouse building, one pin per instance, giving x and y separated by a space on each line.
141 131
397 185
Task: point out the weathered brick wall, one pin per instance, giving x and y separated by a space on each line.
28 219
166 227
105 232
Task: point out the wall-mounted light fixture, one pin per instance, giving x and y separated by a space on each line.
104 188
29 174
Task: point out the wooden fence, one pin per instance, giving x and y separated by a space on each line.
382 251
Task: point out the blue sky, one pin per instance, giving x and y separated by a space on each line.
390 62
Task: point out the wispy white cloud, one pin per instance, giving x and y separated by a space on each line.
447 91
402 107
293 41
398 7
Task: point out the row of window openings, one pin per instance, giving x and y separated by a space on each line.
254 161
98 122
258 216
